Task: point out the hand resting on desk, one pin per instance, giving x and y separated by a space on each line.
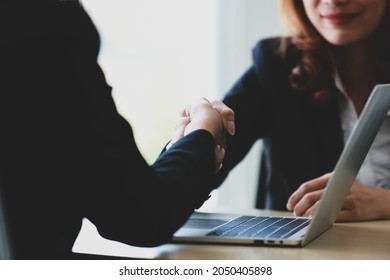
363 202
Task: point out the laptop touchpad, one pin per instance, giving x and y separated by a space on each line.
204 223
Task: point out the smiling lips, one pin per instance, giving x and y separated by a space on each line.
339 18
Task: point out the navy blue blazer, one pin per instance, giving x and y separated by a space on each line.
66 153
302 139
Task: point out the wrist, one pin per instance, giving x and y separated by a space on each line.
386 199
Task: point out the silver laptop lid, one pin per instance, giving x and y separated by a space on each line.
350 161
5 252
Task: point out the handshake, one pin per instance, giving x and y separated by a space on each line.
215 117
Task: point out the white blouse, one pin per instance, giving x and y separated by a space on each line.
375 170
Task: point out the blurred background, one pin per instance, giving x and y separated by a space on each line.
160 55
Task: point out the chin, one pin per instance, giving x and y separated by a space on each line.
341 41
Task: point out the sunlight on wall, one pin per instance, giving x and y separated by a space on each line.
158 56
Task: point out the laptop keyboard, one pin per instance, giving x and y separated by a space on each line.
253 226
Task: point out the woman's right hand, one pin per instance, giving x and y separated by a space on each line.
214 117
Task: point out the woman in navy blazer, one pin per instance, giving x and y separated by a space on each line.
66 153
292 97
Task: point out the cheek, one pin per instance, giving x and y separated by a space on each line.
371 22
311 10
318 24
376 16
376 10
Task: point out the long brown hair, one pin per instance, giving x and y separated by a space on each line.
314 72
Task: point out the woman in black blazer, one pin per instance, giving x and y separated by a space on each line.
66 153
302 95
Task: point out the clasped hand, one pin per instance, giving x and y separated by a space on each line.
214 117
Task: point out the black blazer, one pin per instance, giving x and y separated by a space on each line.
66 153
302 139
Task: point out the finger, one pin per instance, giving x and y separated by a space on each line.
305 188
182 122
345 216
226 114
310 211
307 202
190 108
348 211
183 112
219 156
180 128
348 203
221 141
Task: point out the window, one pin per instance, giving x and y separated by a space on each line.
160 55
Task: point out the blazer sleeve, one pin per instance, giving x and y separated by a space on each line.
77 154
252 101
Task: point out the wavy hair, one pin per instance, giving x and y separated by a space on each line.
313 73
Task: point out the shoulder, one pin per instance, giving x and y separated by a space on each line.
274 54
275 48
267 58
28 20
267 47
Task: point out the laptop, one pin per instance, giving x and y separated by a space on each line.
296 231
5 250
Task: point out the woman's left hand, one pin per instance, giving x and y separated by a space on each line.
362 203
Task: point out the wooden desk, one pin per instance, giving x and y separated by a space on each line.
362 240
